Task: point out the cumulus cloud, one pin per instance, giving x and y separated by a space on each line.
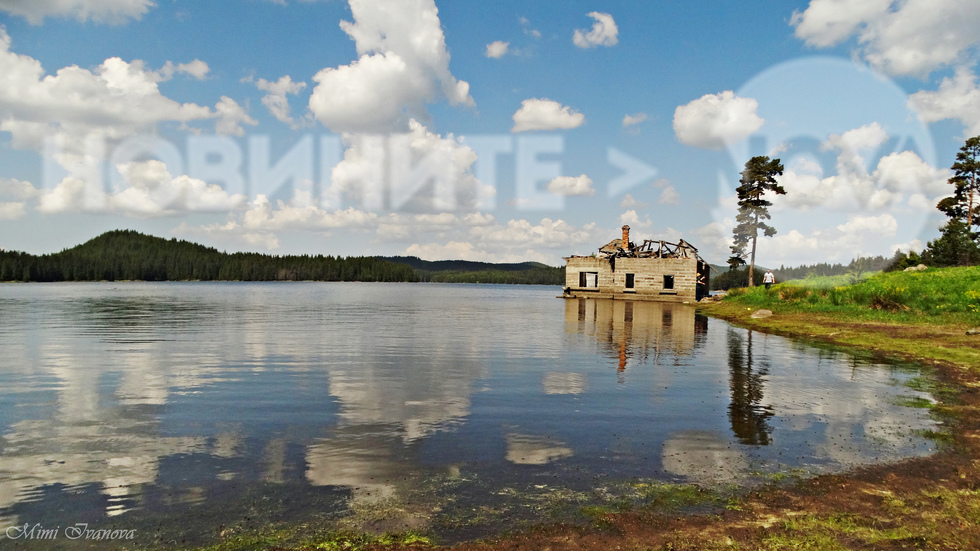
957 98
403 65
859 235
197 69
545 114
571 186
716 120
443 168
629 202
884 224
12 211
669 196
116 100
905 172
149 192
276 99
100 11
911 37
497 49
12 188
231 117
854 186
630 120
604 32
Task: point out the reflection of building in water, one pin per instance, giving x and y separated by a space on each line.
629 329
703 457
748 415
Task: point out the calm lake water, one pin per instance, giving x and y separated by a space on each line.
189 410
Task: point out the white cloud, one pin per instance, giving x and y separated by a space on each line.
231 231
713 240
68 196
906 172
603 33
117 100
884 224
403 58
629 202
911 37
669 196
100 11
545 114
150 192
571 185
17 189
526 27
630 120
197 69
153 191
360 175
231 117
916 245
276 99
497 49
716 120
12 211
957 98
828 22
262 217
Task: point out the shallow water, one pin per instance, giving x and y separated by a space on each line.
181 410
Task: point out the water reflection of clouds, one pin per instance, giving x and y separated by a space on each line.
383 379
524 449
704 457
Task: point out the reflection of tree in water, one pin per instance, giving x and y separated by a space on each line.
749 417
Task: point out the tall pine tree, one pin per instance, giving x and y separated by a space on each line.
959 244
758 178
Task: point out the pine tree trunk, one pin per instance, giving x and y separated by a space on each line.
969 213
752 257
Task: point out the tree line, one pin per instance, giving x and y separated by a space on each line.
129 255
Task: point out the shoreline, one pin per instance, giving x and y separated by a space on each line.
927 502
924 502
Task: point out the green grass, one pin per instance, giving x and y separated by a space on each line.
938 295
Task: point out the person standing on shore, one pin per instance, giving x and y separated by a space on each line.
768 279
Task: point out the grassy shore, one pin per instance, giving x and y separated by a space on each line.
922 503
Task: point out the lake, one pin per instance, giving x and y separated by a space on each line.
185 411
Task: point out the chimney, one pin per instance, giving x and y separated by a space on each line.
626 238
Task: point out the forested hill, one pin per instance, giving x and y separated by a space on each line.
466 271
130 255
461 265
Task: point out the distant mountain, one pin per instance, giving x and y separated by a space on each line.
461 265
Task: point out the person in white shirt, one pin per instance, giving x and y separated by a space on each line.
768 279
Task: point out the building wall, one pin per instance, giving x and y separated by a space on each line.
648 283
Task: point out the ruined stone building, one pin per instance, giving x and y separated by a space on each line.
655 270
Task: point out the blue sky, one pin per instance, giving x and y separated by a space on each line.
500 131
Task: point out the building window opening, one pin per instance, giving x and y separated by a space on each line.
630 281
668 282
588 279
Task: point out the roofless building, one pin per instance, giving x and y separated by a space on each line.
657 270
